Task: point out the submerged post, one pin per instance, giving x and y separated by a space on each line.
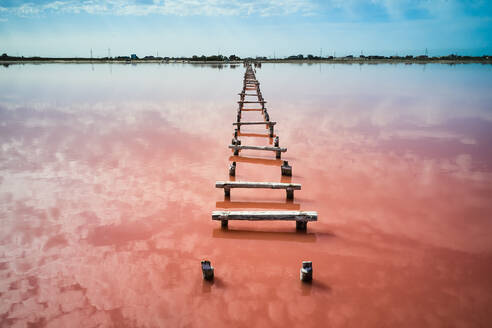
290 193
276 144
301 225
306 274
286 169
207 270
232 169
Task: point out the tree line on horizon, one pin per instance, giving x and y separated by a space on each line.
221 58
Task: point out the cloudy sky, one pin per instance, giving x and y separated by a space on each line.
245 28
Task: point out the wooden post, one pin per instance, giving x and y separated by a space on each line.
306 273
232 169
271 131
276 142
290 193
207 270
286 169
224 223
227 191
301 225
235 133
236 142
278 154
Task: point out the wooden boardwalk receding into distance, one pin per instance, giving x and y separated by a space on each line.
301 218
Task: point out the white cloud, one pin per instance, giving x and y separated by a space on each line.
168 7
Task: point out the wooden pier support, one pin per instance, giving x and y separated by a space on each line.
278 150
301 217
207 270
306 273
228 185
232 169
286 169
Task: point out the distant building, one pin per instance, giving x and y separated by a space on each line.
133 56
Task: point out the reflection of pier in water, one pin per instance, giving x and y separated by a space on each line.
255 160
271 205
296 236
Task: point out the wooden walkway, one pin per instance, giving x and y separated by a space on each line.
251 88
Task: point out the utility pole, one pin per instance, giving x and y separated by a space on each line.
320 52
91 53
109 53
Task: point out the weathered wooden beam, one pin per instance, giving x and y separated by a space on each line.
228 185
270 123
256 185
278 150
243 147
300 216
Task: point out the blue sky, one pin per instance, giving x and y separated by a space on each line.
245 28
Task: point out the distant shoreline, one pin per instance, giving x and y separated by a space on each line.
343 60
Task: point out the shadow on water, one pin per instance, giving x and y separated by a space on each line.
308 288
254 160
297 236
208 285
257 135
270 205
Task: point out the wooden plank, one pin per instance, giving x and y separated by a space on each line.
302 216
257 185
242 147
251 102
255 123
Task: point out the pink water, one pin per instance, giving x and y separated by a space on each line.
107 178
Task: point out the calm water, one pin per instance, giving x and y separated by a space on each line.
107 180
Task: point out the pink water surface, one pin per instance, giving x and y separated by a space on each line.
107 183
